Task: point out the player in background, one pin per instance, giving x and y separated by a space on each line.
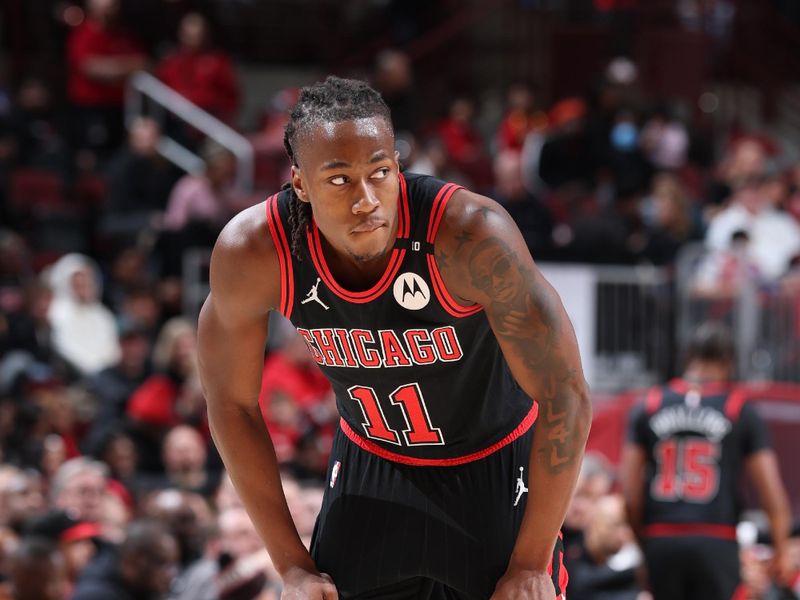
688 445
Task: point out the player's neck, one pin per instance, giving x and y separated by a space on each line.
354 273
702 373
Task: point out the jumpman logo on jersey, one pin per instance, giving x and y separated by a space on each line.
313 295
521 487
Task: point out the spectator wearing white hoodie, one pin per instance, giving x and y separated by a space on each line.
84 330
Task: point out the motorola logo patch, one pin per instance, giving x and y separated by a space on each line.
411 291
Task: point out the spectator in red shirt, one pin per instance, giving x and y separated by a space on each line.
205 75
170 397
294 394
519 119
460 137
290 369
464 144
100 57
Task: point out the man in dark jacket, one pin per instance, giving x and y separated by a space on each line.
605 567
141 569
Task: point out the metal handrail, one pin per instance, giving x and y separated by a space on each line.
141 85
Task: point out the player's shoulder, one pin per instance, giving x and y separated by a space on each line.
244 263
647 402
246 235
475 213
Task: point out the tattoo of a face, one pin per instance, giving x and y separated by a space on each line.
493 270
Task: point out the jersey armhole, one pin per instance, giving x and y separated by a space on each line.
281 242
450 304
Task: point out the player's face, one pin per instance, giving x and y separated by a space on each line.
349 173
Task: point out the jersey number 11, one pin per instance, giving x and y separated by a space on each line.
418 431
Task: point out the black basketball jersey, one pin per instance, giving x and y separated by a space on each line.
696 440
418 377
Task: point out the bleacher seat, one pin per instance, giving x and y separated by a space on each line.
41 206
34 191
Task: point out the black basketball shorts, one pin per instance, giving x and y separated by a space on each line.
393 531
692 567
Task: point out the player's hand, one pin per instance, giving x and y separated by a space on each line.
299 584
524 585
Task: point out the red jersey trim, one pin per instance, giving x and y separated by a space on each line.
734 404
437 210
563 574
404 227
396 259
520 429
653 400
284 255
681 386
724 532
450 304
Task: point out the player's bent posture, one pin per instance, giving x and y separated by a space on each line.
688 445
422 305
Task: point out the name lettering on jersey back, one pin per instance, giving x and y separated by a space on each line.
673 419
334 347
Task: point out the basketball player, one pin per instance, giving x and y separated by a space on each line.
687 447
421 303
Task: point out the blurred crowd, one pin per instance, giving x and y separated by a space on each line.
110 486
108 477
615 175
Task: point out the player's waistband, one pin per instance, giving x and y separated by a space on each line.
723 532
524 425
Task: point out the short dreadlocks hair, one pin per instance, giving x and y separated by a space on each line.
331 101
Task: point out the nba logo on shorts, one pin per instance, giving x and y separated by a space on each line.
335 472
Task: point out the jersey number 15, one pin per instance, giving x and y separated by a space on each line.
687 470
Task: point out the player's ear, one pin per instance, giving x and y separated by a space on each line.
297 184
397 159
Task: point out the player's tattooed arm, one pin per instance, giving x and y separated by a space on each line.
488 263
494 268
